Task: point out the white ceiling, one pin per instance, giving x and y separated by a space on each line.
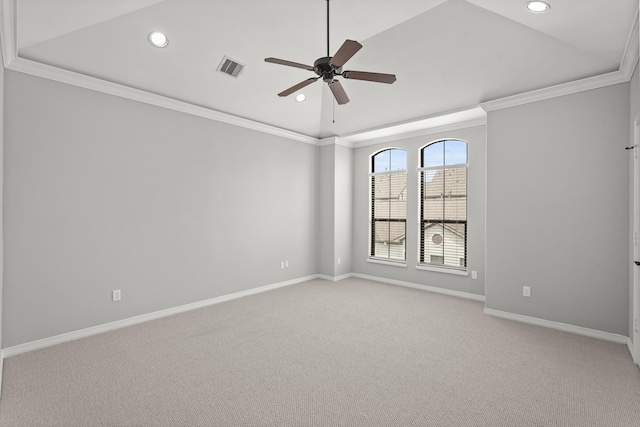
448 55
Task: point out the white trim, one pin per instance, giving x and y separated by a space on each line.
402 264
106 327
340 141
445 121
397 132
1 369
423 132
8 31
76 79
334 278
569 88
631 50
630 347
463 118
332 140
444 291
593 333
455 271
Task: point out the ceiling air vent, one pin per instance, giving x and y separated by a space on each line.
230 67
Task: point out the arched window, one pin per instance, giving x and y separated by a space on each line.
443 204
388 205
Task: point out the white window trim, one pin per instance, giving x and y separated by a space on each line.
457 271
452 270
373 260
463 271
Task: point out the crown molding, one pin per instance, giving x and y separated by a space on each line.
8 40
570 88
330 140
442 122
38 69
13 62
632 50
623 75
8 30
422 132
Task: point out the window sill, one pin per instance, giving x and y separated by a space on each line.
453 271
385 262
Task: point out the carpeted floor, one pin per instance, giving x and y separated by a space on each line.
352 353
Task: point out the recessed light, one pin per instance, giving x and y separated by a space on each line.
301 97
538 7
158 39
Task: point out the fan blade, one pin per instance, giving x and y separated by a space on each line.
338 92
298 86
371 77
346 51
288 63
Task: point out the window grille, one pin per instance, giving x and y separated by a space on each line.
388 228
443 204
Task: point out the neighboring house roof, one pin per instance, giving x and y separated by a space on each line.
457 229
390 232
390 195
449 205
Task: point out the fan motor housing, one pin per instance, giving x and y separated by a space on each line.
324 69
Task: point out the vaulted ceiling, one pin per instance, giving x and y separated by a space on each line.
448 55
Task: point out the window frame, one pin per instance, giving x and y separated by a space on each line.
371 257
421 265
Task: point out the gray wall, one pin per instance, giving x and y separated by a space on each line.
343 210
558 209
476 137
104 193
326 208
1 194
334 210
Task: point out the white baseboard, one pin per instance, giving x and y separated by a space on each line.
565 327
94 330
334 278
634 356
1 369
70 336
459 294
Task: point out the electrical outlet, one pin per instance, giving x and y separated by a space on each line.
474 275
526 291
281 265
286 263
339 260
116 295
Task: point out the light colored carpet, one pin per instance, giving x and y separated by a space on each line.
352 353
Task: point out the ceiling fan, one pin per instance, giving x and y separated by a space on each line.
329 67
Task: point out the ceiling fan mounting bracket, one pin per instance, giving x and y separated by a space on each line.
323 68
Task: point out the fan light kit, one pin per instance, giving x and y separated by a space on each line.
328 67
158 39
538 7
